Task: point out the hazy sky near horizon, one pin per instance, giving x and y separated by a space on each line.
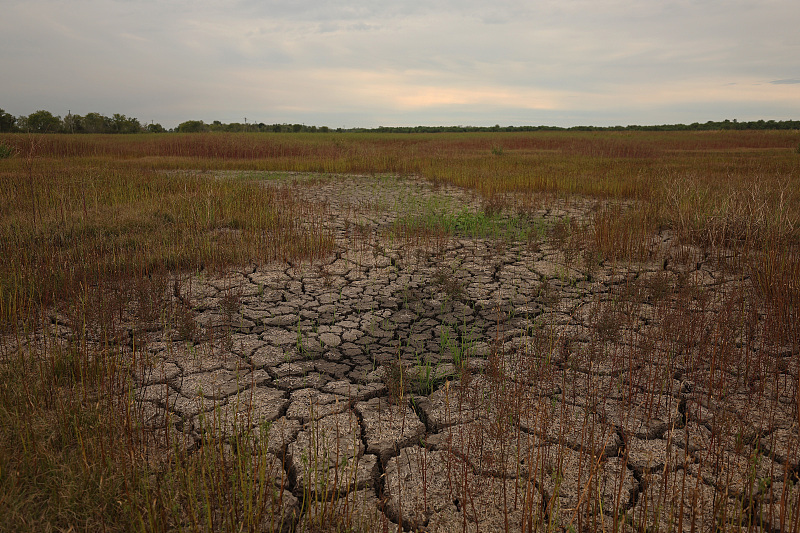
349 63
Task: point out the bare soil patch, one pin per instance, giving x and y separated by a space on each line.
457 365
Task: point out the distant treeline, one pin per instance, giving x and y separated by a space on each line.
696 126
45 122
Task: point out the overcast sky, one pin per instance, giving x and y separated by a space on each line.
347 63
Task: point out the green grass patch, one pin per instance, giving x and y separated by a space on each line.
470 224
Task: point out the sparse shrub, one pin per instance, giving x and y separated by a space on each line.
548 295
608 323
560 232
493 205
592 259
151 297
657 286
230 303
185 324
325 274
6 151
446 280
533 242
396 380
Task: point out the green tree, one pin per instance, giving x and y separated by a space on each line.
123 124
43 122
8 122
96 123
155 128
73 123
192 126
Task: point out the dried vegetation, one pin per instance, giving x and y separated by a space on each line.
604 339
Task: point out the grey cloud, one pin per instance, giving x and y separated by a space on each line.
189 58
326 10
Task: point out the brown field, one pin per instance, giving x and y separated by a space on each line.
372 332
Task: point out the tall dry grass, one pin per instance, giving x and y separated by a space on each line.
95 231
65 226
91 251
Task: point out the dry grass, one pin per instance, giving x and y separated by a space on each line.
96 232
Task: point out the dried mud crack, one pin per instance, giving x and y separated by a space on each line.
451 370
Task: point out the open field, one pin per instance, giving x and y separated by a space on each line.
478 332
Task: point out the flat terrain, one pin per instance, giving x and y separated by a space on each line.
455 368
533 331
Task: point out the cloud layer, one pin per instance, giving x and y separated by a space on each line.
404 62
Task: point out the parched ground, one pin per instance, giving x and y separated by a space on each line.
446 370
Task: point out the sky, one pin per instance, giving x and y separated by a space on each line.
369 63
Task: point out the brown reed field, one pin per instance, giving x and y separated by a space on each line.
102 235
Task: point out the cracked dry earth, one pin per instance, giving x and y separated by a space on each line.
467 383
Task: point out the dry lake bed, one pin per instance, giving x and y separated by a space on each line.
463 366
